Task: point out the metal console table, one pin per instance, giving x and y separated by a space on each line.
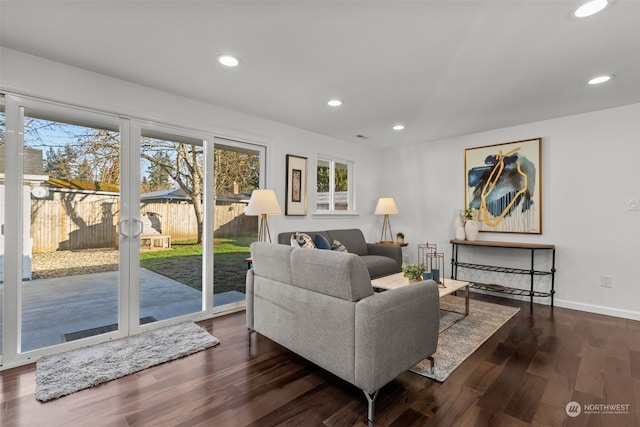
533 247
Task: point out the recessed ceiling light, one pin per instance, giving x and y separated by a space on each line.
590 8
228 60
599 79
398 127
334 103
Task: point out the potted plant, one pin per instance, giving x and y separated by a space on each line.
470 224
400 237
413 272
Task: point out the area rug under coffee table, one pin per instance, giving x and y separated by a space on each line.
460 340
65 373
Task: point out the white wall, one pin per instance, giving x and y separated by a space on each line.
589 172
30 75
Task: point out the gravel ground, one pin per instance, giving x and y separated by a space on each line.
70 263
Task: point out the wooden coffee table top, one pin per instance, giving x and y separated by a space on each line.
398 280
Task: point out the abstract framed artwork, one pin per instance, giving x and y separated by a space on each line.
296 203
503 185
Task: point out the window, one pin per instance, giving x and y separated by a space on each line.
334 186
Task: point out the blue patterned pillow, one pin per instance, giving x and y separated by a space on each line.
321 242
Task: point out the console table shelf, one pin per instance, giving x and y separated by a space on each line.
498 269
508 290
532 272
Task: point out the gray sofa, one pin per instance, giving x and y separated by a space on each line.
381 260
320 305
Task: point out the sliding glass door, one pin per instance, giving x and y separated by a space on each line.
93 260
239 169
175 242
70 199
112 226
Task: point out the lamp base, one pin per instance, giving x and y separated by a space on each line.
386 225
263 230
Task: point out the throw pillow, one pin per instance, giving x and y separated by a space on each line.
321 242
337 246
302 240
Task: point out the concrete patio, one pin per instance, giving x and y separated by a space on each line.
54 307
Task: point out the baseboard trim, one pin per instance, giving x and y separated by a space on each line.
598 309
589 308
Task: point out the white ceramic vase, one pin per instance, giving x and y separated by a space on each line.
471 229
459 233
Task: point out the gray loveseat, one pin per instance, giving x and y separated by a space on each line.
320 305
381 260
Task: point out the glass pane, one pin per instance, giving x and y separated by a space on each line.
322 186
237 174
171 210
70 243
341 194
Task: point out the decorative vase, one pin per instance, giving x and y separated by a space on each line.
458 227
416 280
471 229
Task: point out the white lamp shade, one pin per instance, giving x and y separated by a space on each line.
386 206
263 202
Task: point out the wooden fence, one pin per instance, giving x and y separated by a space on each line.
73 221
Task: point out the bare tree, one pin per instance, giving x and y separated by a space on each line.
101 148
236 169
183 164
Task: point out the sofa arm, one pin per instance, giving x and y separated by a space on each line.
395 330
391 251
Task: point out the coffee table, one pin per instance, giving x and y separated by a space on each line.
398 280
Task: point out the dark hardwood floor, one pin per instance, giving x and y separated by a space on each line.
525 374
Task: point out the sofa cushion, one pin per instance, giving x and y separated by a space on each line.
337 246
348 280
353 239
380 265
302 240
321 242
272 261
284 238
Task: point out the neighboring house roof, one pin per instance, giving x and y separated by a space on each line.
338 197
33 163
169 194
166 194
177 194
76 184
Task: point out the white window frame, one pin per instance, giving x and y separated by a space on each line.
351 197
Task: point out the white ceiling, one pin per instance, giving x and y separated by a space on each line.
442 68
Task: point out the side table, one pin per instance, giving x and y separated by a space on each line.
389 242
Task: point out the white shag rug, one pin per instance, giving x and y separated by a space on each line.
462 339
65 373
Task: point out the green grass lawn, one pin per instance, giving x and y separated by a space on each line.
183 263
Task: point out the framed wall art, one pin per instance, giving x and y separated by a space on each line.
296 203
503 186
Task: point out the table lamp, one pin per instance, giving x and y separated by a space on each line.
386 206
263 203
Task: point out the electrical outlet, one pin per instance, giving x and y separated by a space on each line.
633 205
606 281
